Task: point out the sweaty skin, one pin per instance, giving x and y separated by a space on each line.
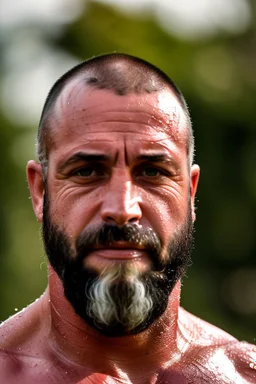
48 342
31 352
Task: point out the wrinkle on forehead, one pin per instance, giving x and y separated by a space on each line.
82 106
147 137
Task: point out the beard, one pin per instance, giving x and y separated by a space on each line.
120 300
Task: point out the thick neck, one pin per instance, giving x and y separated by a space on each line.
73 339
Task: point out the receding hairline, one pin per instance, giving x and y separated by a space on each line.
119 73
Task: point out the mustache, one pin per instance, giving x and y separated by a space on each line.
105 235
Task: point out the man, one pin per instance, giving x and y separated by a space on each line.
114 189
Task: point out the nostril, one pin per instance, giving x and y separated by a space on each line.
120 209
109 219
133 220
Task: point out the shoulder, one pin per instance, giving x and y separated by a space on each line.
22 345
24 332
243 357
10 367
219 356
18 366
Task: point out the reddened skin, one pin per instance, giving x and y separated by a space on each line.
36 187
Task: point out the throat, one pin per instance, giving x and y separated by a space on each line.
74 340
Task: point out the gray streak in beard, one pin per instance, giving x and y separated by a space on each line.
108 307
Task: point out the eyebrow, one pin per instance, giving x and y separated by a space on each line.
81 156
91 157
156 157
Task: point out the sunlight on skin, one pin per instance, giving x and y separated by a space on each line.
116 161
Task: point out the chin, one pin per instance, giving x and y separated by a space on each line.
121 300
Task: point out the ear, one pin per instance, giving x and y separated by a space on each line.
36 187
194 177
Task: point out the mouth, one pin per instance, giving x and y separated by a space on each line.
120 245
120 250
119 253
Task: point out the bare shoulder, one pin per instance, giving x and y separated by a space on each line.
22 327
22 332
243 356
22 342
218 356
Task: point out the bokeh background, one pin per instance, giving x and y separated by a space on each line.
209 49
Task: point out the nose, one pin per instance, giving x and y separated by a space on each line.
121 202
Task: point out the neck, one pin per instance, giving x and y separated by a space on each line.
72 338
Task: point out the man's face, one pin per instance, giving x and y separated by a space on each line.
119 204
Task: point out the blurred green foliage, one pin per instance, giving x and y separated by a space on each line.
217 77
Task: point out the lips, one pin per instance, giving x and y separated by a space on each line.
119 253
107 243
119 250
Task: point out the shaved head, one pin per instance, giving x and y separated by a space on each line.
119 73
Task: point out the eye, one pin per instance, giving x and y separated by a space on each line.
85 172
89 171
152 172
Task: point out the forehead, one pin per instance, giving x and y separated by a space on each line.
83 114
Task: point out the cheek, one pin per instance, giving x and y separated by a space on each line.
72 209
169 209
